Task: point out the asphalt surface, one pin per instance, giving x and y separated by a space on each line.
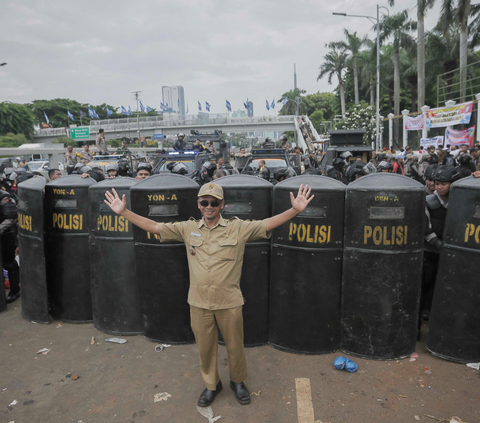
117 383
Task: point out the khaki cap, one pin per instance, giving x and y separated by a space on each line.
211 189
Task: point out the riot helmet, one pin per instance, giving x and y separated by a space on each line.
181 134
346 155
430 171
384 166
446 174
465 159
179 169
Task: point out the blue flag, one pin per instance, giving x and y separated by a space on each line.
82 115
207 106
245 104
199 106
285 101
273 104
46 117
129 111
141 107
149 109
166 107
70 115
95 115
124 111
109 112
90 113
229 106
268 104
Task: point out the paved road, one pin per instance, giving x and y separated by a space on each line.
117 383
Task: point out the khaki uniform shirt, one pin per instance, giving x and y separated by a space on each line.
215 258
87 156
101 143
71 158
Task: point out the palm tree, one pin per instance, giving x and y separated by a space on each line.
353 46
292 97
335 64
422 7
458 13
367 62
399 28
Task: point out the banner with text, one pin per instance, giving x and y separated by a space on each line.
414 123
448 116
435 141
460 136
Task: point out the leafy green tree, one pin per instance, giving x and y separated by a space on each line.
367 62
361 117
334 64
16 119
12 140
66 141
398 27
353 46
292 97
317 118
327 103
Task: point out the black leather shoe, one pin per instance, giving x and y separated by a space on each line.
241 392
208 396
12 297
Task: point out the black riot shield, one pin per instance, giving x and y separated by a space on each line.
115 302
382 266
454 328
306 273
66 247
3 297
31 243
162 268
250 198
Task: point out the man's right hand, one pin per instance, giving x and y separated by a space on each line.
113 201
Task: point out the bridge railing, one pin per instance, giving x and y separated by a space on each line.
131 124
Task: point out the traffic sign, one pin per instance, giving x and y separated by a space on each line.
158 136
80 133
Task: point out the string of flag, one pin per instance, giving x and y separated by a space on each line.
164 108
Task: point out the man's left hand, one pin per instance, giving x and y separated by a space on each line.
303 198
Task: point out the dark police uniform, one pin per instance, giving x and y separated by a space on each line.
8 234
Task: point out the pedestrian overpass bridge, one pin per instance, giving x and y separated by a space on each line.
147 127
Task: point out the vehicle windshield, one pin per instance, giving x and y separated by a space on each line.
190 165
269 163
35 165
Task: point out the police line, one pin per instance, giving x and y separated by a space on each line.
345 274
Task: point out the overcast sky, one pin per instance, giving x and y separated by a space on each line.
100 51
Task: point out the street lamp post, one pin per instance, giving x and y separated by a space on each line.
375 21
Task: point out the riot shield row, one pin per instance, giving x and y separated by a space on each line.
343 274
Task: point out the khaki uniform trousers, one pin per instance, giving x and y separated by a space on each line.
205 324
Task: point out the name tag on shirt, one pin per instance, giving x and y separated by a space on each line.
195 234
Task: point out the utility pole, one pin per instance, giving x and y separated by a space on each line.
138 121
295 87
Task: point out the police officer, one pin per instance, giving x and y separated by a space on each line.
178 168
215 250
268 143
337 171
198 146
179 144
206 172
282 173
385 167
8 236
112 171
429 181
101 143
283 142
435 215
263 171
144 171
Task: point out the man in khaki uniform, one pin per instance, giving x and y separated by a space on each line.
215 249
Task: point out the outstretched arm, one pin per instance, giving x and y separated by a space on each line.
120 207
298 205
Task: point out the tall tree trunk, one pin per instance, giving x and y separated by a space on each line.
463 62
355 81
396 83
420 60
372 92
396 93
342 96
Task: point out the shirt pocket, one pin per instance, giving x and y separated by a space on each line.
228 249
194 244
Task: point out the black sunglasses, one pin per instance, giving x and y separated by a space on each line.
214 203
